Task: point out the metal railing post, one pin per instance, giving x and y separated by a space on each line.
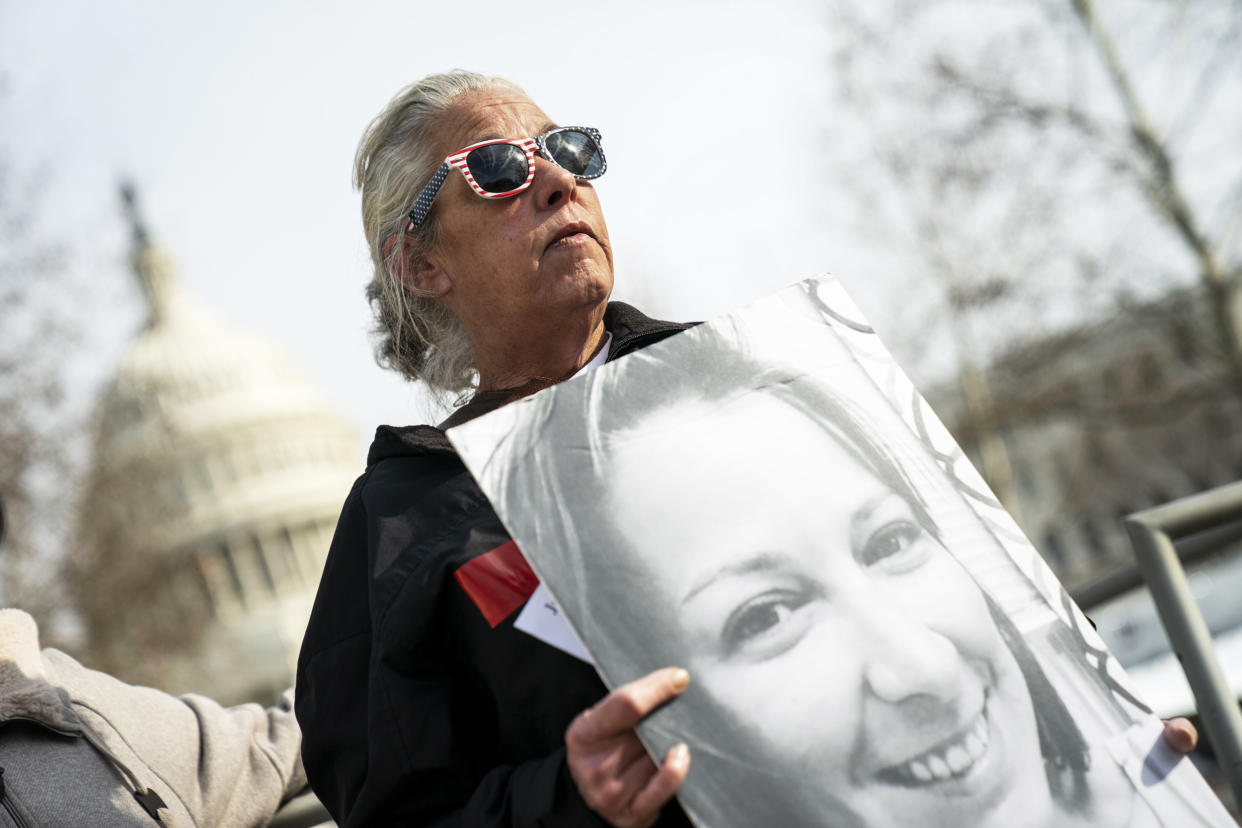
1153 534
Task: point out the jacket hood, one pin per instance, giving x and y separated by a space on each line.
25 691
631 330
407 441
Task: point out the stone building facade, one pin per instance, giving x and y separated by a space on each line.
1104 420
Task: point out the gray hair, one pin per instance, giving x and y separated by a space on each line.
415 335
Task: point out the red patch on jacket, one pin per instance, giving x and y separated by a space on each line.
498 581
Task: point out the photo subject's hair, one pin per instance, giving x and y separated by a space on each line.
595 426
1067 756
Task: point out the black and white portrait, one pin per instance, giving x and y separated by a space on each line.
765 501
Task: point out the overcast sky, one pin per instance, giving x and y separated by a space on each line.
239 121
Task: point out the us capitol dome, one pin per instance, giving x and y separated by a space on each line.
217 479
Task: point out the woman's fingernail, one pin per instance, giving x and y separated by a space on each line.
681 754
681 679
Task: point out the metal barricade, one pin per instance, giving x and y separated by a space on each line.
1155 533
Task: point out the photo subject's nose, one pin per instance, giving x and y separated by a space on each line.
909 662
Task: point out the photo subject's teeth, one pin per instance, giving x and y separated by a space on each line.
957 758
981 730
948 761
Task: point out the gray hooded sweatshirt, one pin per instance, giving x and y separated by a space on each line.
79 747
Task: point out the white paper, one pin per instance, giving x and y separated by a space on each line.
542 618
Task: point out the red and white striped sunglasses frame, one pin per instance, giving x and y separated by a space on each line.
530 146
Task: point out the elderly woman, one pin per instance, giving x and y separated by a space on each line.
420 702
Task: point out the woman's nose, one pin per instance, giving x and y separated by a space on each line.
907 659
553 184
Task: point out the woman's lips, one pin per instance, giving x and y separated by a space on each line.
575 233
951 759
570 239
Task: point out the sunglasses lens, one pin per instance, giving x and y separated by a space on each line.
498 168
575 151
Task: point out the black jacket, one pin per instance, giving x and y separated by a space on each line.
415 710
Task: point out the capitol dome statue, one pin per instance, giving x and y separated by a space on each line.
217 477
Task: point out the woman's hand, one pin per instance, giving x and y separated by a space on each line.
609 764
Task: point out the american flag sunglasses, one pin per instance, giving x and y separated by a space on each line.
502 167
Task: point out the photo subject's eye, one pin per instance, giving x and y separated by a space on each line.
895 546
765 625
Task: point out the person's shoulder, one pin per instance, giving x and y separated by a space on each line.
403 510
408 441
406 463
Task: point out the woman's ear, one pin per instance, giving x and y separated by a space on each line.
420 274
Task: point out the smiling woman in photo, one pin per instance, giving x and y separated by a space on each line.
750 524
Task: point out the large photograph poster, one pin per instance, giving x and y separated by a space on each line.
766 501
